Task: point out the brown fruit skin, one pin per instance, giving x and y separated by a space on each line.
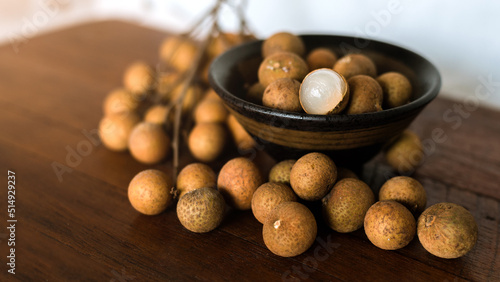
396 88
321 58
268 196
148 143
365 95
255 93
193 96
114 130
345 209
119 101
355 64
405 154
157 114
283 42
241 138
195 176
178 52
206 141
290 230
166 83
283 94
210 110
280 172
280 65
313 176
447 230
405 190
343 172
149 192
138 78
389 225
201 210
238 179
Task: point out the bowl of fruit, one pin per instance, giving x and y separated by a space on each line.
344 96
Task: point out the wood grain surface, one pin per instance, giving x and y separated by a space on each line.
82 227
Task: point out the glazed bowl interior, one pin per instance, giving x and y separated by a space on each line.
348 139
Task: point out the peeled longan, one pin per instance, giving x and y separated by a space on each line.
283 94
210 110
281 65
195 176
406 153
321 58
139 78
149 192
179 52
365 95
313 176
355 64
396 88
255 93
268 196
238 179
118 101
115 130
241 137
206 141
148 143
345 207
405 190
283 42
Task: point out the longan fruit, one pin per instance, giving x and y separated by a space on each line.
268 196
290 230
166 84
241 138
389 225
201 210
255 93
405 190
224 41
238 179
355 64
115 130
179 52
148 143
283 94
195 176
447 230
210 111
210 94
313 176
321 58
280 172
396 88
345 208
158 114
283 42
206 141
139 78
406 153
365 95
193 96
281 65
343 172
118 101
149 192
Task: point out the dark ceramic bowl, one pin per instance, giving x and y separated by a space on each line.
348 139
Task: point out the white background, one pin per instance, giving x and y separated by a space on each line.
462 38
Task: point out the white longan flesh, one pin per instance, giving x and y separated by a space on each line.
321 91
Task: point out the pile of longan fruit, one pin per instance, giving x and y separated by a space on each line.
348 85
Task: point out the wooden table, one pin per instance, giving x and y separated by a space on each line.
83 227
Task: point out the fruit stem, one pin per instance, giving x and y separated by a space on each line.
277 224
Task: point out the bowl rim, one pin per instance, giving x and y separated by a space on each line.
263 113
